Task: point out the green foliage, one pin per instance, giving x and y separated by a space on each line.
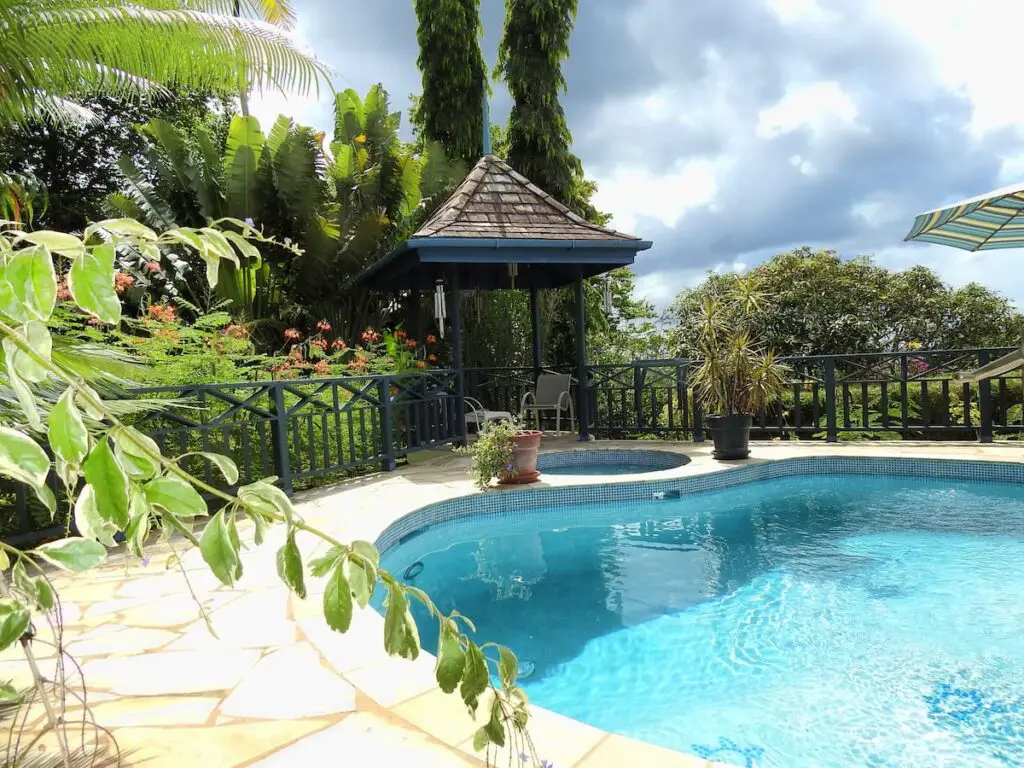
534 43
493 452
69 169
74 555
344 209
736 375
816 303
450 110
55 54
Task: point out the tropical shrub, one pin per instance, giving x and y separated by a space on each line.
735 375
345 207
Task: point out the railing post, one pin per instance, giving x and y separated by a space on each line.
904 391
984 402
831 435
698 420
279 434
639 379
387 436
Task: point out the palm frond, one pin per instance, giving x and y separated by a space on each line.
276 12
56 51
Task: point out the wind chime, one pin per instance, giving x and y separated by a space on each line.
440 308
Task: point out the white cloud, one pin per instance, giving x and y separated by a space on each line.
630 192
975 48
799 11
820 106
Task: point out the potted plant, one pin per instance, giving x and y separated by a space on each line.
502 450
737 375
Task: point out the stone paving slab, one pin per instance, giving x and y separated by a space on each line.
277 687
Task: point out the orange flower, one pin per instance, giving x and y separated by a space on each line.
292 334
431 338
162 312
432 358
411 343
123 282
153 267
421 363
400 334
370 336
319 343
236 331
322 367
339 344
63 294
323 326
295 354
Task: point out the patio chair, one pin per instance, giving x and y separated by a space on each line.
479 417
551 394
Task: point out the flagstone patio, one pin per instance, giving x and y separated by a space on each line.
276 687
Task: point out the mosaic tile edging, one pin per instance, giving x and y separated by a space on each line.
654 459
636 490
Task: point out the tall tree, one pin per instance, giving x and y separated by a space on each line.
450 110
57 53
534 43
816 303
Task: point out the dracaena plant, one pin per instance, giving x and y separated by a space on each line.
116 479
737 374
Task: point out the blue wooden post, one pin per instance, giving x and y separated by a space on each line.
279 434
387 430
985 433
535 327
455 315
582 394
831 435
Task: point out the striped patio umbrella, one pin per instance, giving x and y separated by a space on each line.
987 222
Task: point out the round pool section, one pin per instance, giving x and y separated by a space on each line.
608 462
805 613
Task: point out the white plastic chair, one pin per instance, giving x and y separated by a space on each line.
478 416
551 394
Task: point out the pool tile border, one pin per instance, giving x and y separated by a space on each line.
630 488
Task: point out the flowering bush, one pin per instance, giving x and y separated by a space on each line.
380 353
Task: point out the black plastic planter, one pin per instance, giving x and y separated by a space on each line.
731 435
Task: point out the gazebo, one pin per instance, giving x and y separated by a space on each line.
499 231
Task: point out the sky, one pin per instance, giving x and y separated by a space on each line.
727 132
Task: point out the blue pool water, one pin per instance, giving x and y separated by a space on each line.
806 622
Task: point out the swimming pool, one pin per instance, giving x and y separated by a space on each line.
608 462
864 614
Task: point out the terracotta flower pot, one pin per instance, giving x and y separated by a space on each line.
524 458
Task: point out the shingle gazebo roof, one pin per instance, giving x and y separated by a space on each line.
497 218
496 201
